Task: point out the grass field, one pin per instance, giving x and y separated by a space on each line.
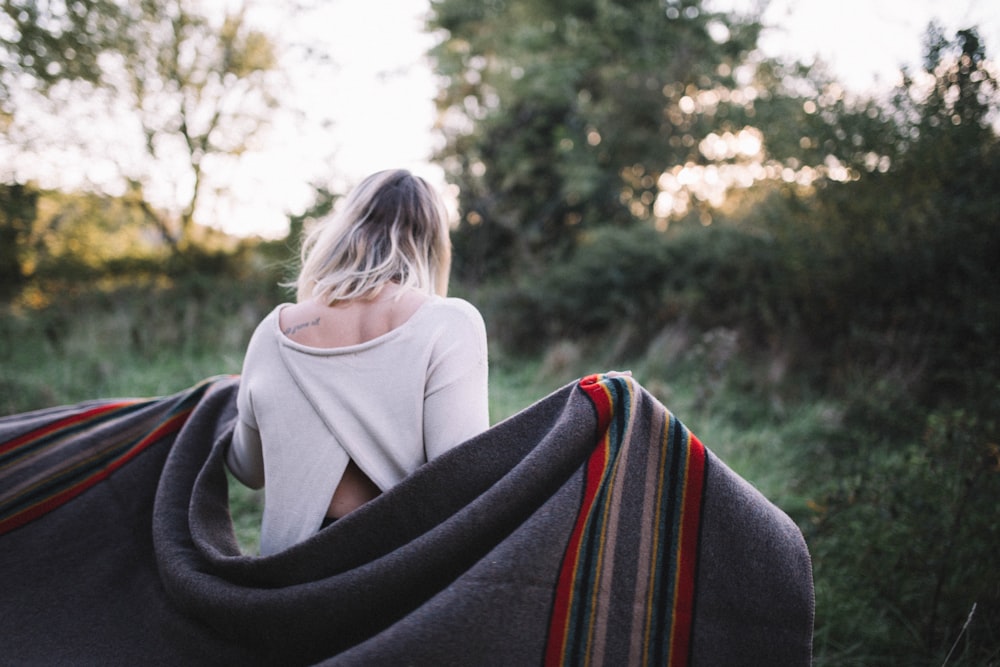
149 341
154 340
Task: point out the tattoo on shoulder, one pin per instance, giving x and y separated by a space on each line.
295 328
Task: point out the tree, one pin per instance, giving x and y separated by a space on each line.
188 90
43 45
18 208
48 42
199 90
561 115
905 527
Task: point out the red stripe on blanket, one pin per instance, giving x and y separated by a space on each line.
67 477
666 614
62 424
596 465
687 553
168 427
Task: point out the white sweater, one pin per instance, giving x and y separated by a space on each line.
389 404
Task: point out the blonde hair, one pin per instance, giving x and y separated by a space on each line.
391 228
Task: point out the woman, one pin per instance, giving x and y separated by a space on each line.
371 373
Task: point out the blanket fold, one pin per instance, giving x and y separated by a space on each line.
592 527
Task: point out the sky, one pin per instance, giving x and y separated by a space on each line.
373 107
381 96
865 41
377 98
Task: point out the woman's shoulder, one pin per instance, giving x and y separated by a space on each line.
270 322
454 308
455 322
267 328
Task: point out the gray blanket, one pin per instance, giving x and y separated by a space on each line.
591 528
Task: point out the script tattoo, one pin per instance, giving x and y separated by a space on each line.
299 327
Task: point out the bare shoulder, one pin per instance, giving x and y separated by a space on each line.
349 323
297 317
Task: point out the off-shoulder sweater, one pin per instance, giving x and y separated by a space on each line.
389 404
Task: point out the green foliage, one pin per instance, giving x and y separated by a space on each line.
196 89
905 532
18 209
145 333
84 235
196 86
246 507
645 280
611 278
149 335
50 42
62 241
909 255
562 115
878 293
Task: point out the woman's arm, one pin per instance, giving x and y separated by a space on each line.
456 403
245 457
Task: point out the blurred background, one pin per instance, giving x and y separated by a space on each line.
783 218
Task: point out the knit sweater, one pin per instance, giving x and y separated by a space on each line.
389 404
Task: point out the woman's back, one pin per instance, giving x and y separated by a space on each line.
371 374
388 403
349 323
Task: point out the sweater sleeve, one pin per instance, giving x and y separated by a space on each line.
456 402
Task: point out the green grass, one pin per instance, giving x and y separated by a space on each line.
127 343
157 341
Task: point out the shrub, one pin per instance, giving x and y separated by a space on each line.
904 534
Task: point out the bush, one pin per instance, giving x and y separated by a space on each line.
613 276
644 279
152 334
904 535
